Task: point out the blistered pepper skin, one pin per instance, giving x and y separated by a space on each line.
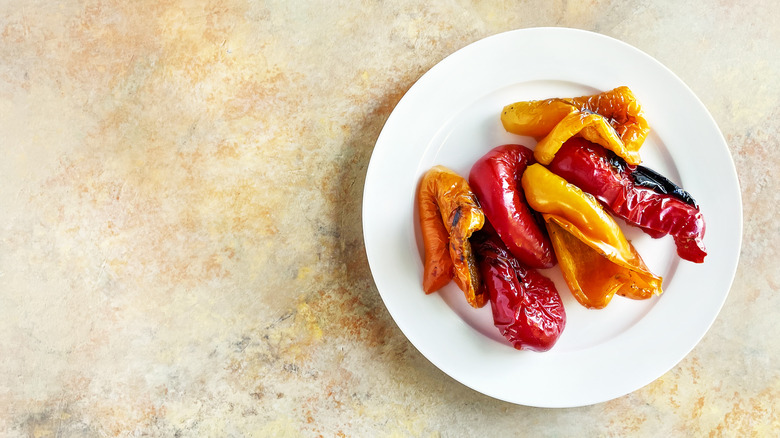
595 258
621 108
449 214
527 308
612 119
633 194
495 179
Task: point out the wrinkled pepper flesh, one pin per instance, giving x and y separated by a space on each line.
613 119
639 195
495 179
527 308
595 258
449 214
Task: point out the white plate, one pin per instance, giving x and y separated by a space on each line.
451 117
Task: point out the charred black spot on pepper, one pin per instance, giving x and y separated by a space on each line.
646 177
456 217
649 178
618 164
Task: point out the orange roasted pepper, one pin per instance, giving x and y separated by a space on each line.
449 214
612 119
595 258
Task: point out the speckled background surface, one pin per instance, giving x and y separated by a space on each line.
180 240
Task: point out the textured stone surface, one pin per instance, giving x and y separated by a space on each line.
180 240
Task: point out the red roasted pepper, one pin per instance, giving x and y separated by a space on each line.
637 194
527 308
495 179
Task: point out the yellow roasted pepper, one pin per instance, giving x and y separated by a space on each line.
449 214
612 119
595 258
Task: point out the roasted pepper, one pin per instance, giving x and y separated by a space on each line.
637 194
449 214
527 308
495 178
612 119
595 258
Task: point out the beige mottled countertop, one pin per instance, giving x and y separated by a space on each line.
181 249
